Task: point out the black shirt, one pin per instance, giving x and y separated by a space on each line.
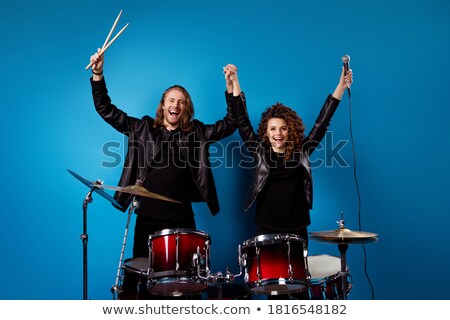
281 205
168 175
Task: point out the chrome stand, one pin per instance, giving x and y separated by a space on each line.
116 288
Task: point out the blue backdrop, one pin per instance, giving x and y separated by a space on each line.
287 51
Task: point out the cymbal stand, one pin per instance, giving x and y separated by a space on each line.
84 239
115 289
343 250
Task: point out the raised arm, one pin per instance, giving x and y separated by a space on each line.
330 105
118 119
239 108
226 126
344 82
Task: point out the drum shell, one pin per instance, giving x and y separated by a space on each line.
275 260
179 262
167 259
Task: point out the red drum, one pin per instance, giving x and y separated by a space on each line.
134 275
326 281
275 264
179 262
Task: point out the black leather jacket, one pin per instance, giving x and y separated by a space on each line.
144 142
261 153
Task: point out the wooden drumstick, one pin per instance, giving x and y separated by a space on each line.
109 44
112 29
114 39
105 47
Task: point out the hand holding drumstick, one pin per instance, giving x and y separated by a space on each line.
96 61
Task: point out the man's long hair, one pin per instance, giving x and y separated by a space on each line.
188 113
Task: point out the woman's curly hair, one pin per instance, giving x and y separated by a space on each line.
294 123
186 118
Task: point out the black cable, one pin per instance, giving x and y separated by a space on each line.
357 191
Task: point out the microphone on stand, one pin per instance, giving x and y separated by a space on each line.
346 63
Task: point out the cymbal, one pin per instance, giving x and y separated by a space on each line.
140 191
96 186
344 235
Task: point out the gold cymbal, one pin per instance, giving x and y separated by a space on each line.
139 191
344 235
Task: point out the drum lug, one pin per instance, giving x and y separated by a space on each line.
207 254
150 257
290 272
305 261
195 260
258 265
243 260
177 241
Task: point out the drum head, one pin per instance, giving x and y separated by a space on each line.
136 265
323 266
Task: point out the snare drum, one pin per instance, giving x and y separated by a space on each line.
326 281
179 262
275 264
134 280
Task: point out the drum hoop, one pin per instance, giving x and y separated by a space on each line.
170 280
274 238
168 273
280 281
166 232
296 285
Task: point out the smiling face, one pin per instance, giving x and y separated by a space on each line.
277 132
173 108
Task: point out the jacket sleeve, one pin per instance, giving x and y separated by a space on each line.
239 108
317 133
118 119
222 128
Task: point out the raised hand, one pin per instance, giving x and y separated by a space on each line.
97 61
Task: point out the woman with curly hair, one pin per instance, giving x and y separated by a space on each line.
282 183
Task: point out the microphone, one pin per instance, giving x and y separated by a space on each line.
346 62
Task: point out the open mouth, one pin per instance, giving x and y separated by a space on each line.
174 113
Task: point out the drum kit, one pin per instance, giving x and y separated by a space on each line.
179 261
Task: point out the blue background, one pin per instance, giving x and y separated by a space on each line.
288 51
